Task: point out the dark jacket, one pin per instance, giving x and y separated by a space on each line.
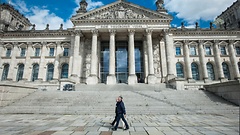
120 108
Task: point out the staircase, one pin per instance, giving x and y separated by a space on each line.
139 99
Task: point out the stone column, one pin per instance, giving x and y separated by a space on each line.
93 79
170 56
217 59
28 65
111 78
145 58
233 59
13 65
42 64
56 73
151 76
187 61
132 78
76 62
202 61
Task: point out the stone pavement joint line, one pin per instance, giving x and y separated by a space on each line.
37 124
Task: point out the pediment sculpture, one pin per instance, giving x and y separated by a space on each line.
119 13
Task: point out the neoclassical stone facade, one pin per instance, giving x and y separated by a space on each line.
118 43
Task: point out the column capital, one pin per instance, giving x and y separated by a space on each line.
149 31
231 42
216 42
201 42
78 33
131 31
185 42
112 32
95 32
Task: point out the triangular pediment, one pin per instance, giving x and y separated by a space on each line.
121 10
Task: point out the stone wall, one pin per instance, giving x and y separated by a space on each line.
227 90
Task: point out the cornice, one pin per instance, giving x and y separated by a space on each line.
203 32
37 33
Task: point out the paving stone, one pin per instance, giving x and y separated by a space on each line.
138 133
155 133
79 133
120 133
47 133
106 133
104 129
57 128
93 133
63 133
79 128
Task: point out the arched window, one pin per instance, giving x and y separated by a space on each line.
5 72
50 70
35 72
226 70
195 72
64 73
179 69
20 72
210 71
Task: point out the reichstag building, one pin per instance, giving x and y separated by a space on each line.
119 43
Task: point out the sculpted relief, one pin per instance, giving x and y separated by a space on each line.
119 13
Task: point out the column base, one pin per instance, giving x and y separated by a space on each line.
111 79
190 80
206 80
91 80
223 80
151 79
170 77
75 78
132 79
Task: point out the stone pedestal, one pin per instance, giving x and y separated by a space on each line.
151 79
111 79
92 80
132 79
206 80
190 80
75 78
170 77
223 80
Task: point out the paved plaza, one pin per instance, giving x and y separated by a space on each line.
37 124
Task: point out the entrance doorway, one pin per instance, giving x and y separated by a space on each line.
121 57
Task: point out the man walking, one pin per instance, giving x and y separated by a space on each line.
121 113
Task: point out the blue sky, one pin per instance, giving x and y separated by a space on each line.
55 12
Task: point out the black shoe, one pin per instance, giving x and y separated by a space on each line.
114 129
126 128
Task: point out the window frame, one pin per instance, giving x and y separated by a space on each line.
21 52
8 52
51 51
37 52
66 53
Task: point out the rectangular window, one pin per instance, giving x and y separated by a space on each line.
193 50
37 52
66 51
178 51
8 52
23 52
223 50
238 50
51 52
208 51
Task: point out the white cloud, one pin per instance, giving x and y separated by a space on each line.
194 10
41 16
91 4
21 6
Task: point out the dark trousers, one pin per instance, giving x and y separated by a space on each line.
121 116
115 119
